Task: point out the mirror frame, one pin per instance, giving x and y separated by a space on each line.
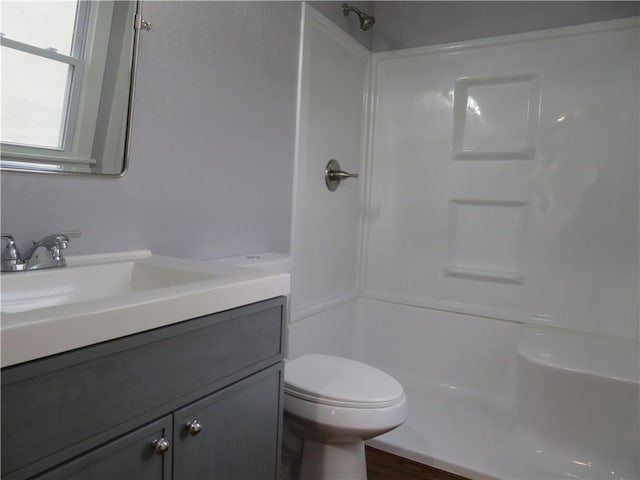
137 27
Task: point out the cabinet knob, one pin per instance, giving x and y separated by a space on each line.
160 446
194 427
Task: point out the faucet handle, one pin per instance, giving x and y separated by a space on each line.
62 238
60 241
11 259
67 234
10 252
8 237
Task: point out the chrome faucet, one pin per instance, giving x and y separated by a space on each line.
45 253
11 258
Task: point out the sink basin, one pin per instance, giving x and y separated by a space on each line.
97 298
46 288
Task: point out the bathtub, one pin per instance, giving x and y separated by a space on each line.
495 399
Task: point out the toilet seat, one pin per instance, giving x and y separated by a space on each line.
340 382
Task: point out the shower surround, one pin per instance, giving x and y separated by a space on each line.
498 256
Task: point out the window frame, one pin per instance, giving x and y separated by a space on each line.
87 63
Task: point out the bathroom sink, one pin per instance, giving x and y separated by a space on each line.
102 297
25 291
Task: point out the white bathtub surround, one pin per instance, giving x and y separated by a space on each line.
505 188
505 178
329 331
500 253
332 120
581 392
494 399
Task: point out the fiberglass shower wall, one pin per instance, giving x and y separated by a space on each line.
505 178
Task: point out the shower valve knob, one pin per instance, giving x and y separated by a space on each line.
333 175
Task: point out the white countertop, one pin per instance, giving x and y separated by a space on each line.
37 333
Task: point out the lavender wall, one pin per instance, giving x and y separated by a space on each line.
214 123
412 24
213 142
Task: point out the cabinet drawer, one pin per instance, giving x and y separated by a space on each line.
55 408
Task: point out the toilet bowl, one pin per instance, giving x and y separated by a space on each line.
333 404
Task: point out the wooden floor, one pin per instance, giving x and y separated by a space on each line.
386 466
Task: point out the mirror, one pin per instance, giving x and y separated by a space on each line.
68 72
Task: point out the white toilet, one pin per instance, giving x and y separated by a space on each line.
333 404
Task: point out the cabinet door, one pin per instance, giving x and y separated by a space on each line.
130 457
240 432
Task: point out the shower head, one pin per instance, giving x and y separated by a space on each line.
366 21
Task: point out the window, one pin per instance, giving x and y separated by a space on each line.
53 60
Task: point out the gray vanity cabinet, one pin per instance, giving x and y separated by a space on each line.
95 412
